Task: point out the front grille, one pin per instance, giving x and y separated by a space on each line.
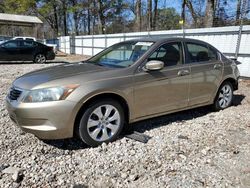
14 94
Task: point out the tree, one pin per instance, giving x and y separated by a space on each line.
168 19
238 12
149 15
48 10
210 13
183 12
191 8
64 12
2 6
138 18
26 7
155 14
101 16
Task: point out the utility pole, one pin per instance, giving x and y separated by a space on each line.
242 16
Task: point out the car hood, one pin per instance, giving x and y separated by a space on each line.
35 78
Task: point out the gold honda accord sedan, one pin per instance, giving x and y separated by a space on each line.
125 83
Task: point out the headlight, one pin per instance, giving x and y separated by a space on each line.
49 94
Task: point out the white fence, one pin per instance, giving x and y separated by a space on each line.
223 38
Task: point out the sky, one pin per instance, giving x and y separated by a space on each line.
230 6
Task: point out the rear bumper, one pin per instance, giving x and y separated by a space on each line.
47 120
50 55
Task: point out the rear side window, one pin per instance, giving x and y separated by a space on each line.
28 43
30 39
200 53
170 54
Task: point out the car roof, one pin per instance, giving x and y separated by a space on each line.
166 39
21 40
24 37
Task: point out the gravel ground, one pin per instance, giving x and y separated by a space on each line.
69 58
195 148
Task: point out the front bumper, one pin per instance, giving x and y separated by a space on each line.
46 120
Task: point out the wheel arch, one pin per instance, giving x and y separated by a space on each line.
233 81
121 100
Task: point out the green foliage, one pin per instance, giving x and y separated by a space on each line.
114 16
46 8
19 6
168 19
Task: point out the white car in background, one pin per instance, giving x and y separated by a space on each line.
24 38
34 39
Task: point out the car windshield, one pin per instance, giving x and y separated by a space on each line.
121 55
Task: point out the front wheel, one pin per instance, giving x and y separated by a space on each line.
224 96
40 58
103 121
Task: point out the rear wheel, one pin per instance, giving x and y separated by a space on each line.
40 58
224 96
102 121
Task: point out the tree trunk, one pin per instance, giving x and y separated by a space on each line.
155 14
183 13
149 15
88 16
138 15
101 18
56 20
2 8
189 4
238 12
94 17
210 12
65 19
75 17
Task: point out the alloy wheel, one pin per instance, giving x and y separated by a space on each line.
40 58
225 96
103 123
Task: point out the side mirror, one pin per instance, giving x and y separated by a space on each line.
154 65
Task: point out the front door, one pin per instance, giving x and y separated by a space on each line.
206 73
164 90
9 51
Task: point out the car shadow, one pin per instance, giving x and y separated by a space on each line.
67 144
238 99
146 125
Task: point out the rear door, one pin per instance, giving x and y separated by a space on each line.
27 48
9 51
164 90
206 72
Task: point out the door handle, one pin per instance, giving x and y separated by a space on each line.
217 66
183 72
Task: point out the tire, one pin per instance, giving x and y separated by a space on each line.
96 127
40 58
224 96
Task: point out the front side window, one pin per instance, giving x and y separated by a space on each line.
122 54
12 44
170 54
200 53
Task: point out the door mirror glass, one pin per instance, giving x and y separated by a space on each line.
154 65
